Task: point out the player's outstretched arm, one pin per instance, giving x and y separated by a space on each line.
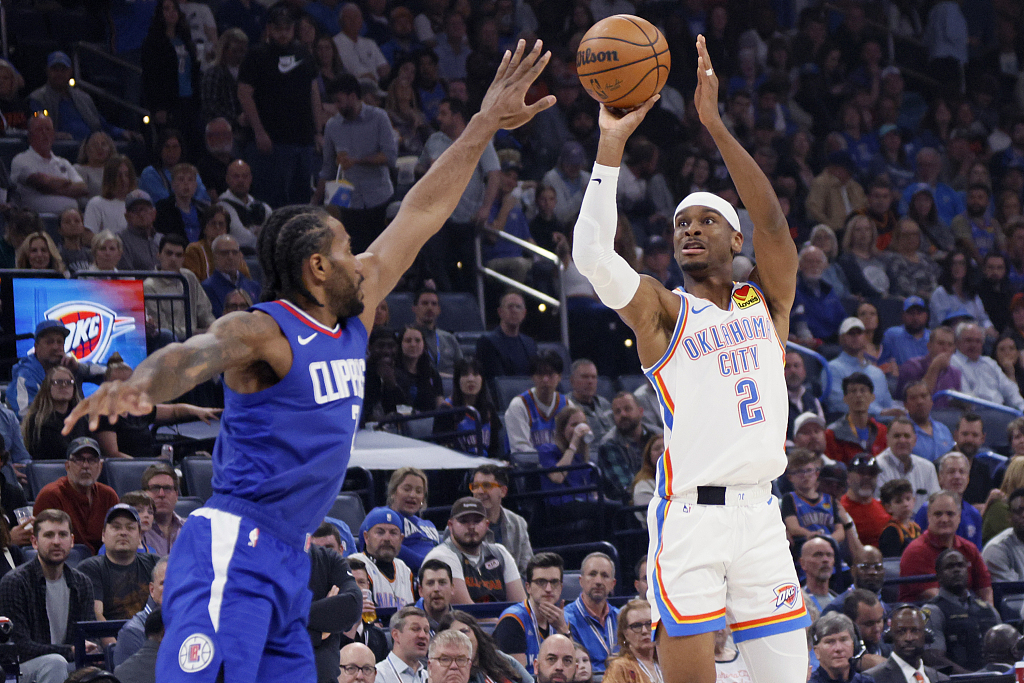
773 246
431 200
233 342
641 301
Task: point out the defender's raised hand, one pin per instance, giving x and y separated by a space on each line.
504 102
705 97
111 400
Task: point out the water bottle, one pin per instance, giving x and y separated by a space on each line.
167 452
588 437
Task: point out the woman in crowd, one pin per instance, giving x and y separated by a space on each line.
584 668
637 661
935 127
910 271
824 238
199 255
14 107
868 314
106 211
92 159
957 292
419 381
220 82
469 389
644 481
859 259
997 511
938 236
328 63
237 300
170 71
1007 354
571 446
156 179
107 250
490 665
39 252
44 418
407 495
74 248
406 116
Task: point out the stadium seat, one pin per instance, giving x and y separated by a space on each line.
43 472
348 507
507 388
78 553
995 422
124 475
606 387
632 382
460 312
571 586
891 592
562 352
186 505
400 310
198 475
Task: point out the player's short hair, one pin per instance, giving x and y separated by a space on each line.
831 623
894 489
636 567
543 561
157 469
546 360
154 623
499 473
434 565
327 529
396 481
858 378
285 242
798 457
856 598
450 637
355 564
399 618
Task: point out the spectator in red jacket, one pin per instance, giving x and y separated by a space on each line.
857 431
867 511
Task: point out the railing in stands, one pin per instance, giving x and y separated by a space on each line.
110 60
185 297
827 384
93 630
441 437
978 402
482 272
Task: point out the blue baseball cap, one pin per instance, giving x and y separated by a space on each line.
124 510
58 57
381 515
45 326
912 301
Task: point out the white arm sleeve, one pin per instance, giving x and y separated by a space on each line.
594 241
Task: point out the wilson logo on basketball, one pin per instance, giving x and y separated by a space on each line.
745 297
588 56
786 595
92 328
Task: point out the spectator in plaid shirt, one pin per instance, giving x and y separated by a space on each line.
621 451
42 588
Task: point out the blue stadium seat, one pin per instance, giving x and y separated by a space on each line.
125 475
400 310
571 585
43 472
632 382
507 388
460 312
348 507
606 387
198 475
186 505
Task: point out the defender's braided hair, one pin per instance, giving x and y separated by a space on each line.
290 236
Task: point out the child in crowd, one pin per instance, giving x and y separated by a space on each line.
897 497
805 511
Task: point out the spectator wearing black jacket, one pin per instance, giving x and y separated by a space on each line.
170 71
337 606
45 586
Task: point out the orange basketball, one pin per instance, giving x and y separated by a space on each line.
623 61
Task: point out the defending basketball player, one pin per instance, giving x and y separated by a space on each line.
714 352
235 598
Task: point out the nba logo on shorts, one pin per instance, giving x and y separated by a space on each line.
195 653
786 595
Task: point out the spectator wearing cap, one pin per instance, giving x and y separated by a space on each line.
817 309
140 240
947 200
280 98
658 262
860 502
79 494
121 577
569 181
45 648
801 397
856 431
481 571
909 340
506 215
834 194
981 376
48 353
359 146
380 541
73 111
809 433
898 461
853 340
46 182
489 485
954 474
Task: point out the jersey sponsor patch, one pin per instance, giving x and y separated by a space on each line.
196 653
745 297
786 595
491 564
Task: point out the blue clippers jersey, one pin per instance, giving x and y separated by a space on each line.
284 450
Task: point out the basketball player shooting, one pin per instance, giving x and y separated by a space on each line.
236 600
713 350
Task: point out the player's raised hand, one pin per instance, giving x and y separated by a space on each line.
705 97
504 101
111 400
620 123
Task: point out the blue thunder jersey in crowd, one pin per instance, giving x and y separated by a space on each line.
285 449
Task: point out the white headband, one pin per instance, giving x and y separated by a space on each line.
712 201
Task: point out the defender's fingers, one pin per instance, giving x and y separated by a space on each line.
540 105
503 67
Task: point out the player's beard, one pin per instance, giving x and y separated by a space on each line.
344 295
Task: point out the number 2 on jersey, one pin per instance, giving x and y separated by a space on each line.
750 412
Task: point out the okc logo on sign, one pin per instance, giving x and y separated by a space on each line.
786 595
92 326
196 653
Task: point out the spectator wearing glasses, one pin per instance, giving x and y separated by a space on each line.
227 275
161 481
489 485
523 627
79 494
805 511
1004 554
489 663
450 658
637 659
954 472
357 663
44 419
868 574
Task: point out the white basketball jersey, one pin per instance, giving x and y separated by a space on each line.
722 390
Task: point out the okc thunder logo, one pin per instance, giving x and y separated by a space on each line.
93 326
786 595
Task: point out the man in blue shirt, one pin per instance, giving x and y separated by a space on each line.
948 202
853 340
909 340
817 310
592 621
933 438
954 474
226 276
